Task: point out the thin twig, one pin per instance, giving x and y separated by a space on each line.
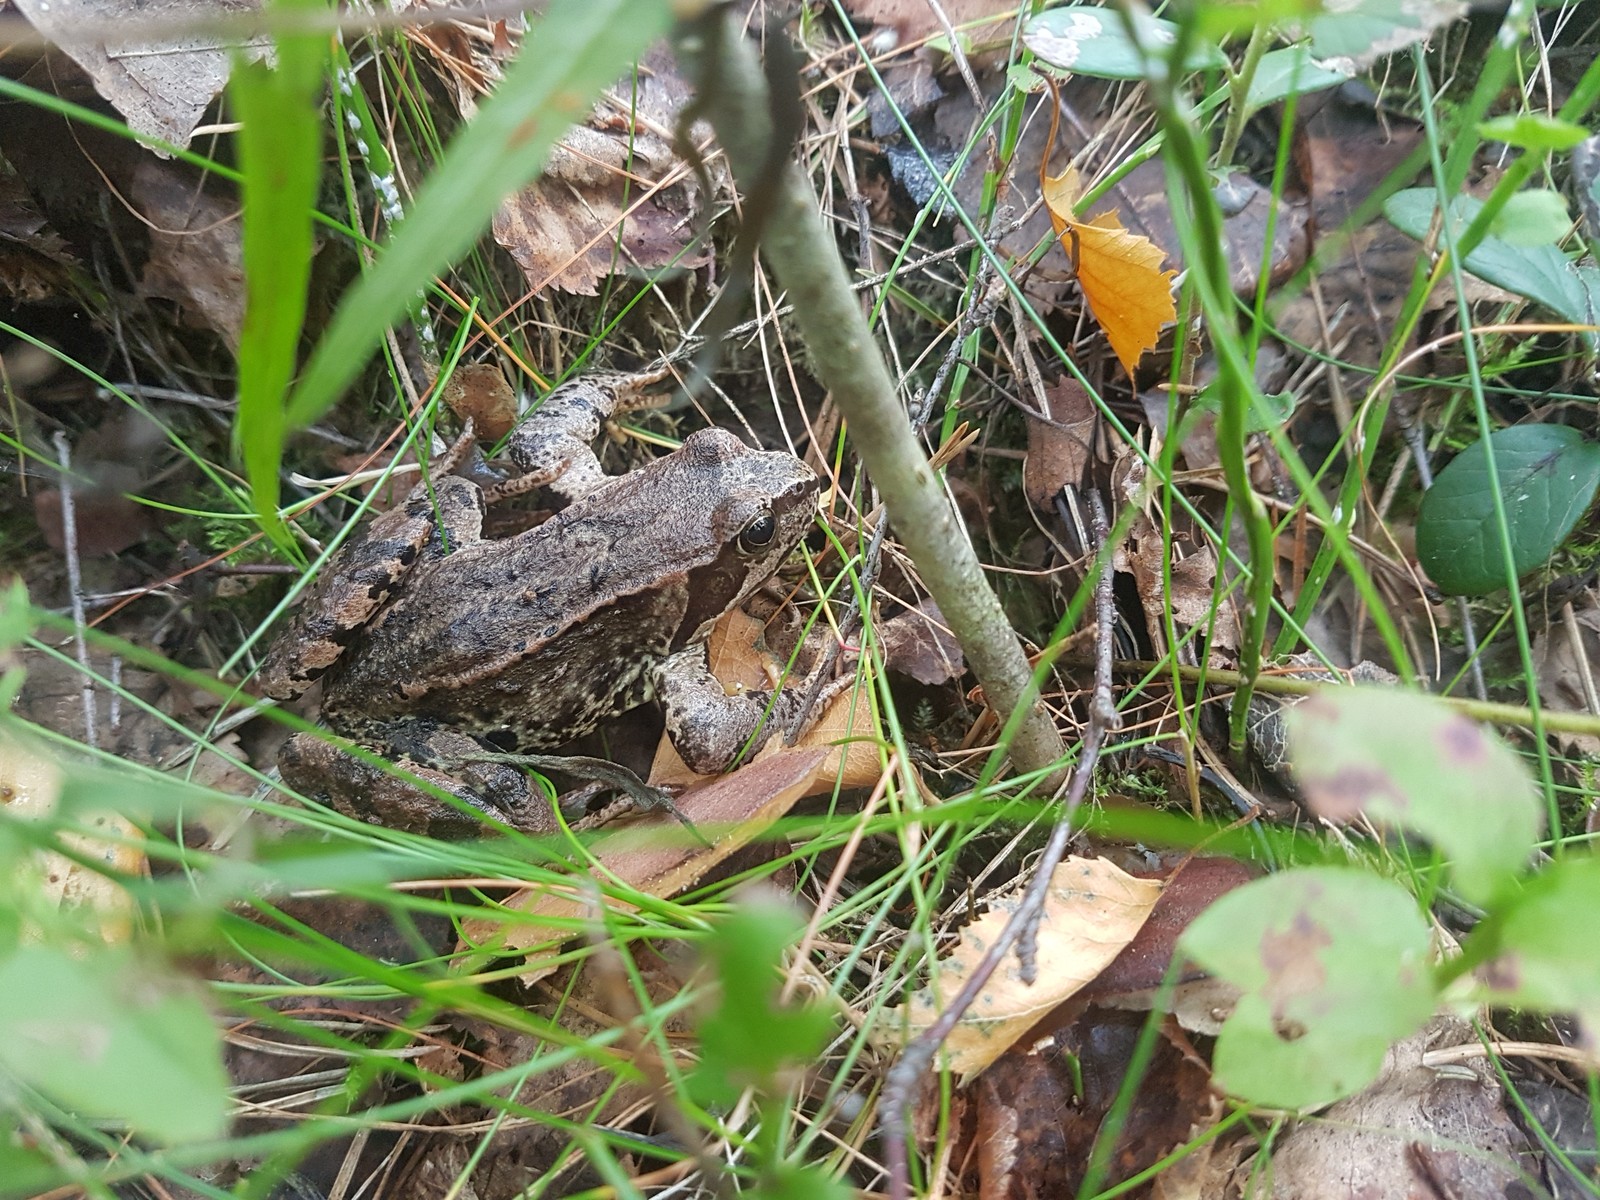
69 547
1021 930
904 269
987 292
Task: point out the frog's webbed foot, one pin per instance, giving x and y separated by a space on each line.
637 795
708 727
365 791
554 448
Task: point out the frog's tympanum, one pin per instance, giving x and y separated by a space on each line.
434 644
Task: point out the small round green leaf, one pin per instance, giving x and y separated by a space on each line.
1534 131
1288 72
1410 761
1547 476
1333 964
1362 31
109 1036
1541 273
1094 41
1536 217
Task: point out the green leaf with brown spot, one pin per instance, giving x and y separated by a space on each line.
1547 958
1333 964
1411 762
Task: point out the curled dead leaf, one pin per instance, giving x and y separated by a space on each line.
917 643
480 391
846 727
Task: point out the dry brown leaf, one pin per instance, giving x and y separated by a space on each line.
917 643
980 22
655 854
1565 658
614 197
1092 910
845 727
1060 446
196 248
160 80
480 391
1120 272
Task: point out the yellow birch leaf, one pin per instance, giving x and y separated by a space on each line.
1120 272
1091 911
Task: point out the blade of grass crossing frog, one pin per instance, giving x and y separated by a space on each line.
280 148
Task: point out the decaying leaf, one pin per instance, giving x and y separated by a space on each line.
1120 272
1060 446
35 261
917 643
142 57
29 787
614 198
467 55
1092 910
196 256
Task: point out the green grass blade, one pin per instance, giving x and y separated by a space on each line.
280 148
567 57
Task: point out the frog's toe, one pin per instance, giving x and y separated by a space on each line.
406 795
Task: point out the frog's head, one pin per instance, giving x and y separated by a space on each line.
765 501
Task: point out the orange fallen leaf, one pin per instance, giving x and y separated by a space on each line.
1120 272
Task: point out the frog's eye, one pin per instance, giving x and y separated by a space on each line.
758 533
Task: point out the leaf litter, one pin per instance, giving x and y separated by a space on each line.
618 205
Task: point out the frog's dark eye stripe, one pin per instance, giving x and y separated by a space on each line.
758 533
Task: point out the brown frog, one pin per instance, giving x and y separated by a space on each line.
435 645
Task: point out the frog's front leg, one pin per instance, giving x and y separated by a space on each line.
367 570
555 447
364 791
706 725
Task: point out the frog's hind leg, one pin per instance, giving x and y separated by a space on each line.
365 791
363 573
554 448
